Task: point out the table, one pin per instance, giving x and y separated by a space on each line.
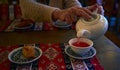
107 51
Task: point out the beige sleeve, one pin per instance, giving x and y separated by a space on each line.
70 3
36 11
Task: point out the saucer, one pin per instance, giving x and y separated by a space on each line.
61 24
23 27
87 55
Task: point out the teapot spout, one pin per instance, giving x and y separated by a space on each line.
83 33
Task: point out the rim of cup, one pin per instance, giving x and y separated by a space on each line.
86 40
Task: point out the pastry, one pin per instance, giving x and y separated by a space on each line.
28 51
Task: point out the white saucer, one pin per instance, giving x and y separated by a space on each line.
89 54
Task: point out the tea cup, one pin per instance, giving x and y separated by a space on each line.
80 45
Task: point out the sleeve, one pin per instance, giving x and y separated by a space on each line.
36 11
70 3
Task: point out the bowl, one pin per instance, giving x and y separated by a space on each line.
80 45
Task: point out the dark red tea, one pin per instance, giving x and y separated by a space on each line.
80 44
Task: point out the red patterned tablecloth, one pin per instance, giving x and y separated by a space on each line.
53 58
9 26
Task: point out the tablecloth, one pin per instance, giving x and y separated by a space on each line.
53 58
9 26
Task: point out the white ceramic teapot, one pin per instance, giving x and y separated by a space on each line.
93 28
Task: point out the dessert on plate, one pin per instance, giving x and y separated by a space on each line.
28 51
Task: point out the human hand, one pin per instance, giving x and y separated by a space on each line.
69 15
96 8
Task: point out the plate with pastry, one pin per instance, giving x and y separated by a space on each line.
24 55
23 25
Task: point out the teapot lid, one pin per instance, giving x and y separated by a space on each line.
95 18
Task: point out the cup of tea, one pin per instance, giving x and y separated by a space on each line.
80 45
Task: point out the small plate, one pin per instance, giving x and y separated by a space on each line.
61 24
17 57
24 27
87 55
